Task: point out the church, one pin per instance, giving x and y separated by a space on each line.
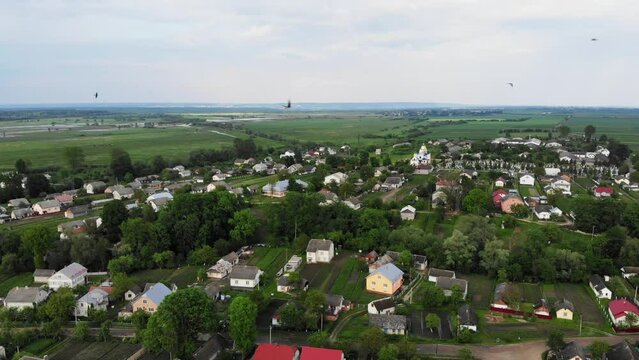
421 158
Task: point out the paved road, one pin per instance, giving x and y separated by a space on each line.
523 351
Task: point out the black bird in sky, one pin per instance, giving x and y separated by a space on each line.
510 84
594 39
96 95
288 105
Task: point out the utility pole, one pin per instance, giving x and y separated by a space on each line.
270 330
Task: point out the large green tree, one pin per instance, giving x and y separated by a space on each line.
114 213
459 251
477 202
589 131
74 156
120 163
372 340
60 305
178 320
242 317
37 184
244 226
38 241
388 352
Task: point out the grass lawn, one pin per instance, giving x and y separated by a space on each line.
78 350
39 346
151 276
25 279
354 327
351 282
480 289
184 276
579 295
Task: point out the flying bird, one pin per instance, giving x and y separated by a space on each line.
510 84
96 95
594 39
288 105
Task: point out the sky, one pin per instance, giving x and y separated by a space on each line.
254 51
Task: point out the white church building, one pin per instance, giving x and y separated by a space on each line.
421 158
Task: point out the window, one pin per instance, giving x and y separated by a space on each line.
372 282
236 281
385 285
143 301
247 282
378 277
151 309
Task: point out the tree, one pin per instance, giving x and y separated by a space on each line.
555 341
60 305
38 240
464 336
164 259
122 264
629 252
615 239
589 131
9 264
477 202
563 130
139 319
372 339
105 330
114 213
433 297
598 349
432 321
292 317
456 295
244 226
405 259
178 320
37 184
205 255
242 317
315 301
459 251
21 166
120 163
319 339
81 331
494 256
388 352
245 148
74 156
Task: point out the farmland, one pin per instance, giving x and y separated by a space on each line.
96 350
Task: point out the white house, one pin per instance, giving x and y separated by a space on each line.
260 167
599 287
245 277
434 274
96 299
95 187
384 306
527 179
123 193
466 318
500 182
408 213
24 297
223 266
287 153
561 185
320 251
47 207
41 276
550 171
337 178
545 212
422 157
629 271
71 276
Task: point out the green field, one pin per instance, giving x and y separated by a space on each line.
579 295
25 279
76 350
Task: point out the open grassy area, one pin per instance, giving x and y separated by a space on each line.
269 260
351 282
480 289
152 276
25 279
579 295
40 346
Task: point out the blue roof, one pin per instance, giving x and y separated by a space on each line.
157 293
389 271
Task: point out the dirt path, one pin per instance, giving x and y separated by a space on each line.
390 196
343 323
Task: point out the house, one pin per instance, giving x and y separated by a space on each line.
392 182
70 276
423 169
287 153
603 191
353 202
151 298
335 305
619 309
545 212
388 258
19 203
599 287
96 299
217 185
420 262
542 309
18 214
319 251
185 173
500 297
64 199
76 211
564 309
527 179
294 168
245 277
500 182
389 324
124 193
382 306
387 279
329 197
159 200
572 351
408 213
466 318
561 185
41 276
439 199
434 273
336 178
132 292
314 353
629 271
223 266
442 184
293 264
447 284
309 169
380 170
95 187
47 207
24 297
285 285
509 201
220 177
280 188
110 189
552 171
276 352
261 167
621 180
497 196
622 351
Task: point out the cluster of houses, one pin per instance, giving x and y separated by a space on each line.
618 309
574 351
505 200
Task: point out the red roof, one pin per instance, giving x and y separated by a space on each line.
620 307
500 179
604 189
498 195
313 353
64 198
107 289
274 352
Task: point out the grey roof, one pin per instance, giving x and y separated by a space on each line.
80 209
334 300
72 270
19 202
383 304
564 304
231 257
397 322
500 290
393 180
318 244
354 200
467 316
630 269
94 297
124 191
97 184
543 208
48 204
157 293
136 289
419 259
446 283
282 185
390 271
441 273
22 295
597 282
43 272
212 290
571 350
622 351
245 272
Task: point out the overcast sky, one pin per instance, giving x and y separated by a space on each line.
459 51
